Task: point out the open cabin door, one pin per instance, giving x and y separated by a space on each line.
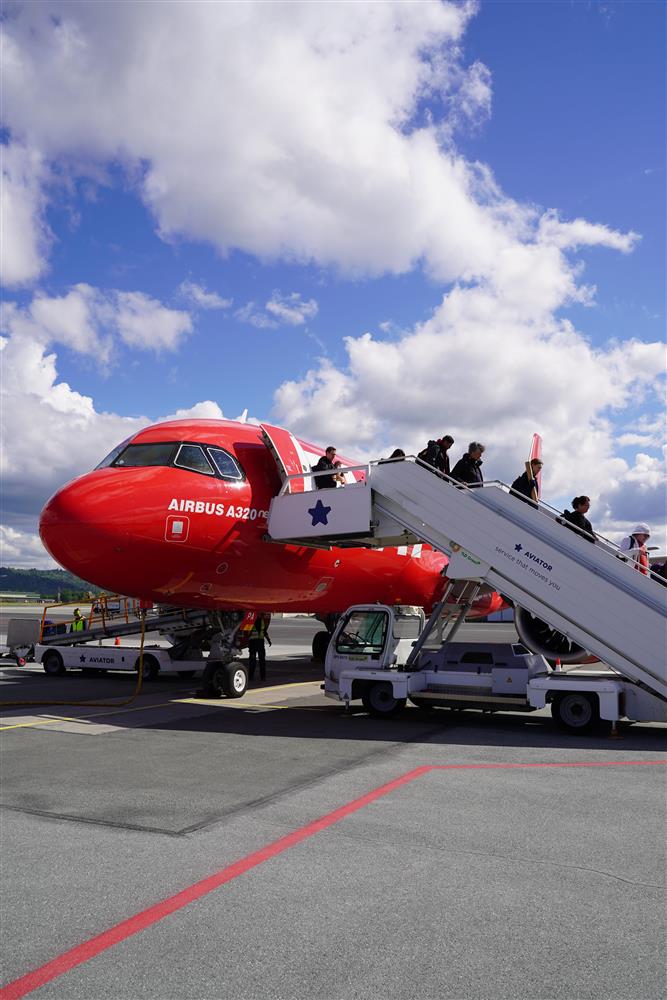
288 455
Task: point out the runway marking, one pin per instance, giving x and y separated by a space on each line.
94 946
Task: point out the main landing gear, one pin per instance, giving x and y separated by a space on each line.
224 674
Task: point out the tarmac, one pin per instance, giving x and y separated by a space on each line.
276 847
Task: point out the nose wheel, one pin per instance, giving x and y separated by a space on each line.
224 679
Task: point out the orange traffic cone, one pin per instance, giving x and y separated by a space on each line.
117 641
557 666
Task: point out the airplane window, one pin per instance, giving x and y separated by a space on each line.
113 455
145 454
192 457
225 463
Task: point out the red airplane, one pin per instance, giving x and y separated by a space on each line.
177 515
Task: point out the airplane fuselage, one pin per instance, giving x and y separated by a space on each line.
176 535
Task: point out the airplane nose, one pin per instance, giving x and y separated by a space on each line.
78 527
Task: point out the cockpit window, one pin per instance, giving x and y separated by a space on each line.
191 456
145 454
202 458
225 463
113 455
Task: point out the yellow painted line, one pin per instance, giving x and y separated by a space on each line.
39 722
84 718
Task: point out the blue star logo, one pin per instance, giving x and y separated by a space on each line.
319 513
518 547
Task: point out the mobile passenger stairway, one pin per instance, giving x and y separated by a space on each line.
591 593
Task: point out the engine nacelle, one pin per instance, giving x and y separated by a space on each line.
539 637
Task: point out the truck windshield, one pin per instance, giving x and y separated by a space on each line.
363 632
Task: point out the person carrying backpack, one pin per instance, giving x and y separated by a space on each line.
435 453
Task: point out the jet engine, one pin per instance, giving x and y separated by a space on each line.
539 637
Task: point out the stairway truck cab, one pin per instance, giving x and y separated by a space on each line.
380 656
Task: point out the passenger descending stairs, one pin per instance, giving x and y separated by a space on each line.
585 591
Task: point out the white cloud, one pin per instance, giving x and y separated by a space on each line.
255 315
90 321
198 296
291 308
315 155
23 550
645 431
639 493
579 232
280 310
145 323
24 235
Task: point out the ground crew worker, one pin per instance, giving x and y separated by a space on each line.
256 652
79 623
635 546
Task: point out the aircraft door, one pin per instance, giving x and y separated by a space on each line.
288 454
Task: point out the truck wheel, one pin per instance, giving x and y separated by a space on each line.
151 668
577 711
379 700
320 646
53 664
235 679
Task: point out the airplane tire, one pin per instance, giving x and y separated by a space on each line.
151 668
320 646
235 679
379 701
576 711
53 664
211 686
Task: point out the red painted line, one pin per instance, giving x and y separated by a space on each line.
146 918
89 949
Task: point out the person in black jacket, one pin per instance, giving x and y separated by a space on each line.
577 517
442 461
468 469
435 453
324 463
523 487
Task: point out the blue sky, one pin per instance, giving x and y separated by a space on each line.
472 195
